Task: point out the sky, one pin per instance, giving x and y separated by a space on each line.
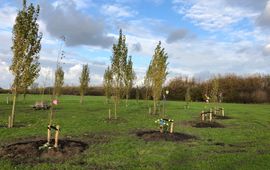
202 37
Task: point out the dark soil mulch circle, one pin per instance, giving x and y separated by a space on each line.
29 152
157 136
208 125
222 117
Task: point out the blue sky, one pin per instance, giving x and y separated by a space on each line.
201 37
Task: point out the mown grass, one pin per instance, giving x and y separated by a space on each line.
245 140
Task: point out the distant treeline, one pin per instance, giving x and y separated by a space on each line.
234 89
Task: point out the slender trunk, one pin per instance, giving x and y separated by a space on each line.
163 109
81 100
126 100
43 91
51 112
51 115
115 107
109 114
24 96
155 107
13 109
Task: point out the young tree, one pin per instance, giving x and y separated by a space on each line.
187 97
47 75
214 91
157 73
147 84
107 84
59 81
129 76
84 80
118 66
137 94
26 47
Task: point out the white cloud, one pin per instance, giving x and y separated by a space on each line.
96 79
80 4
73 74
7 15
5 44
240 50
213 15
267 50
264 18
6 77
116 10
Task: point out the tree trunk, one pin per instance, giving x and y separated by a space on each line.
43 91
13 110
24 96
115 108
126 100
155 107
81 100
51 112
163 109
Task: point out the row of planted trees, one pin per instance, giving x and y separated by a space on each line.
25 65
120 76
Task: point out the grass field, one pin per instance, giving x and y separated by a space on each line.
244 143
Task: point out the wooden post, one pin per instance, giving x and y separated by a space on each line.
49 134
7 100
56 136
222 112
210 115
161 129
115 107
171 129
202 115
13 111
9 122
109 114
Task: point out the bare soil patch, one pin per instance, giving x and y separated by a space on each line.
222 117
152 135
185 123
208 125
29 152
